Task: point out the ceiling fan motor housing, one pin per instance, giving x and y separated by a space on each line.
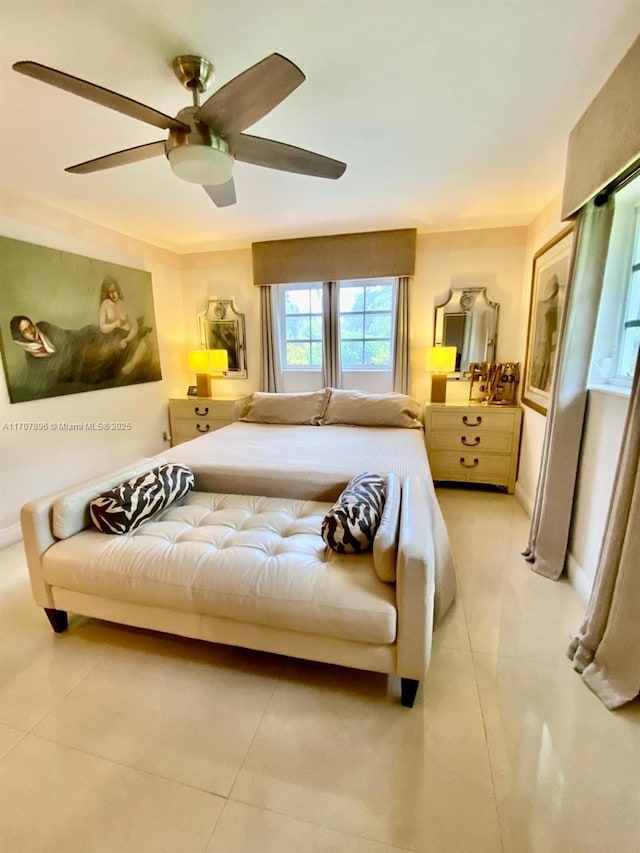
200 156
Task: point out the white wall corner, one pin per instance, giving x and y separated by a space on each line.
524 499
579 578
10 535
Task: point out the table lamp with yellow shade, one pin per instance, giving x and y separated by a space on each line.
440 362
207 363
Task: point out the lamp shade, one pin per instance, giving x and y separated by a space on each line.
200 360
219 360
441 359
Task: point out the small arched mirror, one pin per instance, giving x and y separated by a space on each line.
468 321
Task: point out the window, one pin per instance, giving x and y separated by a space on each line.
366 323
302 325
365 326
617 336
630 331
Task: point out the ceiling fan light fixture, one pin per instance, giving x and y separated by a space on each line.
200 164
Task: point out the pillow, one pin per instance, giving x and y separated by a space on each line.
352 521
304 408
385 410
125 508
71 510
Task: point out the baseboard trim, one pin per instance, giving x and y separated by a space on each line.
525 500
578 578
10 535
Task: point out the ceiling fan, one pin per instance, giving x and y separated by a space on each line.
204 139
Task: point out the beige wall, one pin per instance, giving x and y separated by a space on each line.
33 463
601 442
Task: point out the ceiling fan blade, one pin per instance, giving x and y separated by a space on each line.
99 95
119 158
223 195
287 158
250 95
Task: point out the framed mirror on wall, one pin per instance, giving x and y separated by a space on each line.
468 321
222 327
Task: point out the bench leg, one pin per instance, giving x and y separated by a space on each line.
58 618
408 690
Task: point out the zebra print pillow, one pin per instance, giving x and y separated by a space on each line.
352 521
125 508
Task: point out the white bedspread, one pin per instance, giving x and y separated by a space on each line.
314 463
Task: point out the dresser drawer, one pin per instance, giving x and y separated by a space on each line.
467 440
204 409
479 419
470 466
184 429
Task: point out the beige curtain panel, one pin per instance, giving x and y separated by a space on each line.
401 376
553 505
607 648
340 257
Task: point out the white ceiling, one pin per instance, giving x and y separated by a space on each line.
449 113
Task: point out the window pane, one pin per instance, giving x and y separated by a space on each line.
377 326
298 355
316 300
316 354
351 353
629 354
379 297
298 328
351 326
296 301
351 299
316 328
377 353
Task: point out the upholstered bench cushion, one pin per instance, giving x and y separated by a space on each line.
251 559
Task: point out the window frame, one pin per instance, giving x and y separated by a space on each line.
386 281
282 315
282 325
631 297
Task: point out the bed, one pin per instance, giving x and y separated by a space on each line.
315 459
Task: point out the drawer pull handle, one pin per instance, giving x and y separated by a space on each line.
203 413
464 463
470 443
203 427
467 422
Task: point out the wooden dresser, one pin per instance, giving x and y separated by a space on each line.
190 417
469 442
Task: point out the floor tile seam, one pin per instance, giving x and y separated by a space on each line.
63 698
319 825
499 819
18 742
563 666
132 767
277 684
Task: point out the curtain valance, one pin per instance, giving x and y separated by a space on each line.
606 140
338 257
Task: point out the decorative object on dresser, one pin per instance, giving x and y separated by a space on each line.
473 443
190 418
440 362
220 326
468 321
548 285
494 384
205 363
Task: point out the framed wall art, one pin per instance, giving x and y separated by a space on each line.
549 278
70 324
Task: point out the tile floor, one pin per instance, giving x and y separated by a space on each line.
119 740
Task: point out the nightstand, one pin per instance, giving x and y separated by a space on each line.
193 416
469 442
